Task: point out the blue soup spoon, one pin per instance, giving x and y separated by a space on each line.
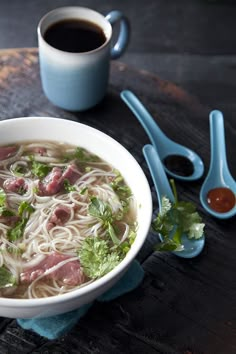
191 247
218 191
166 147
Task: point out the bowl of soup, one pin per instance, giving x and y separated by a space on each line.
75 210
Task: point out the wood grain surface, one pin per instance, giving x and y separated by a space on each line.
182 306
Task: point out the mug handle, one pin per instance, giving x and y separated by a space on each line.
123 38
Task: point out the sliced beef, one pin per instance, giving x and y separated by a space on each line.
7 151
59 217
15 185
71 174
69 274
54 181
51 184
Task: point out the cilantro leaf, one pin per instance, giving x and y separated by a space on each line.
39 169
81 155
112 234
100 210
6 212
24 212
25 209
20 170
17 231
2 197
121 189
3 210
173 220
7 279
96 258
68 186
103 212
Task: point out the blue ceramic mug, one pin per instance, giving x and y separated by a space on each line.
76 79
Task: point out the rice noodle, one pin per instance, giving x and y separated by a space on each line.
39 240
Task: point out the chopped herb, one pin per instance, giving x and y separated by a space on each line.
20 170
3 210
15 250
121 189
83 190
174 219
6 212
2 197
112 234
36 189
24 212
96 258
17 231
39 169
81 155
68 187
132 237
7 279
125 246
100 210
103 212
25 209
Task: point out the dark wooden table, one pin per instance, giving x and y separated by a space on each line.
182 306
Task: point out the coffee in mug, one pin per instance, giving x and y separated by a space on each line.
75 51
75 36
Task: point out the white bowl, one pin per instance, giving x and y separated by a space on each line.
56 129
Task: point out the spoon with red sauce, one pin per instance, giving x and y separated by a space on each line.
218 192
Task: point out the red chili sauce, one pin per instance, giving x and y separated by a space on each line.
221 199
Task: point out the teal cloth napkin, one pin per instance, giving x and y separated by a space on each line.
56 326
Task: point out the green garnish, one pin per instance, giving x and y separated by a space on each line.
3 210
174 219
96 257
81 155
124 247
20 170
24 212
39 169
83 190
121 189
7 279
103 212
68 187
2 197
6 212
25 209
100 210
17 231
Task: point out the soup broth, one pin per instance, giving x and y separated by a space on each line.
66 218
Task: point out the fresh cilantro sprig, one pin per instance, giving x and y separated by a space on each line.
96 257
7 279
24 212
39 169
68 186
81 155
4 211
121 189
103 212
174 219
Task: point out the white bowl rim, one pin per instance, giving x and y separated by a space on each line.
37 302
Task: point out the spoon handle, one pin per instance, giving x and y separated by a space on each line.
158 174
145 119
217 139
